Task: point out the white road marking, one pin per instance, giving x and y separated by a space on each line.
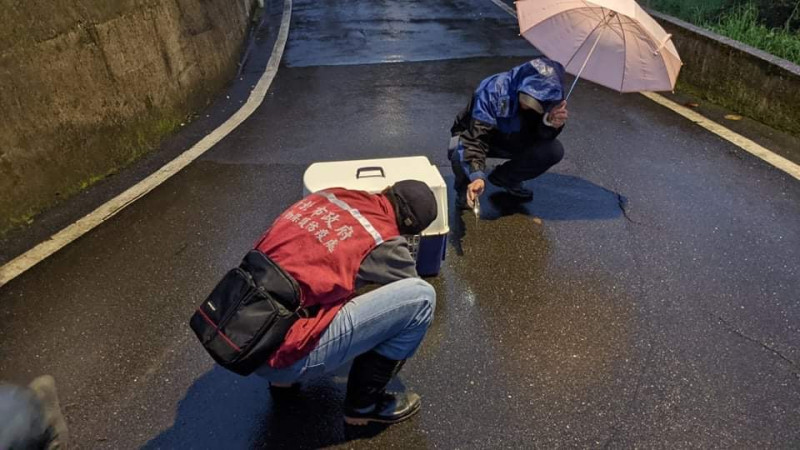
56 242
731 136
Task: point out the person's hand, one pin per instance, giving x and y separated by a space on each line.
474 190
558 116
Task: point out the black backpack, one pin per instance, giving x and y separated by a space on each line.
248 314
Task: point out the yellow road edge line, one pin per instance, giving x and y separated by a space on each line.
740 141
56 242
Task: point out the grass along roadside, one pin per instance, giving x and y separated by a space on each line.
742 22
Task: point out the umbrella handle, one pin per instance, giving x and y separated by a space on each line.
596 41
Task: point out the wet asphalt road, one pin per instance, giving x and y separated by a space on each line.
648 297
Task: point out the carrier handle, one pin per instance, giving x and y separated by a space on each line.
370 169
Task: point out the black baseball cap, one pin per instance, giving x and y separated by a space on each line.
414 205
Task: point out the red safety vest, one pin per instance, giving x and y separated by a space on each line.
321 241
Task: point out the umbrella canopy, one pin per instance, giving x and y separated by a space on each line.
614 43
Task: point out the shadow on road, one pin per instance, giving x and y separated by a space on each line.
224 410
557 197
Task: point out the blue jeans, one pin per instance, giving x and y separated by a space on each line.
391 320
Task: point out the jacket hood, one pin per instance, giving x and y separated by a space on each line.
542 79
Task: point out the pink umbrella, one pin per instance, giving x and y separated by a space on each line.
614 43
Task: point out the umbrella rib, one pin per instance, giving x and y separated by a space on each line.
585 41
651 40
624 52
642 31
664 66
591 9
619 33
589 14
576 10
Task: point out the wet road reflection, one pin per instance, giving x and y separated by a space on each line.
557 197
518 330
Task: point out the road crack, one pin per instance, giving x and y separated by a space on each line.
622 204
794 366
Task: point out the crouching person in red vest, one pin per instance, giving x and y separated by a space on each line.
332 243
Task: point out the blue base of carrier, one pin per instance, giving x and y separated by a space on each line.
430 254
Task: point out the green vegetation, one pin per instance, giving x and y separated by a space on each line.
770 25
25 219
742 24
129 144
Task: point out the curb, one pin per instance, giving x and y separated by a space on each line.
736 76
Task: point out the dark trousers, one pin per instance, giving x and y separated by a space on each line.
522 165
528 163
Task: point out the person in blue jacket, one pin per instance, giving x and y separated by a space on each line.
515 115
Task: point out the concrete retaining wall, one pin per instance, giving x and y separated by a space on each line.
87 86
736 76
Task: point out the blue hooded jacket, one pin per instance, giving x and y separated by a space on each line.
493 115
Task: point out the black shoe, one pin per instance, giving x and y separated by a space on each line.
514 189
389 408
44 388
367 400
